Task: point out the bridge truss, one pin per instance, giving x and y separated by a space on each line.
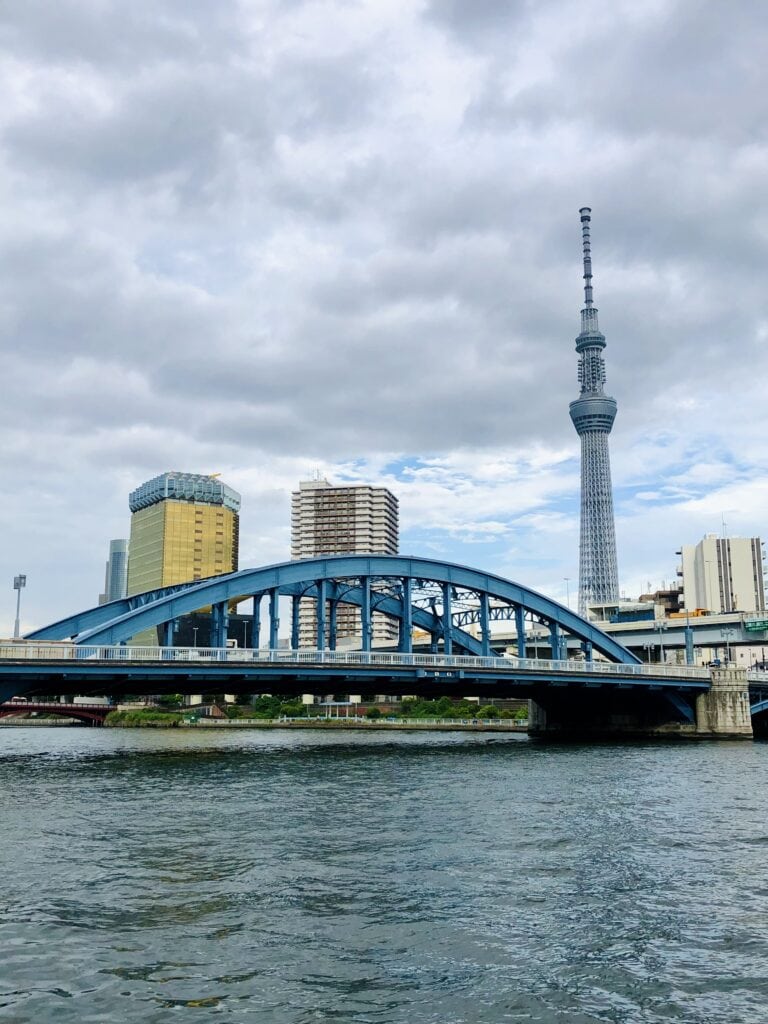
439 598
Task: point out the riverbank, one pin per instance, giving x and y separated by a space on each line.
57 722
365 725
351 724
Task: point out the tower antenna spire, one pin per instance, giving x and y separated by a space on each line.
593 414
586 217
589 323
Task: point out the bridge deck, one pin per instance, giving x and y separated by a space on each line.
70 668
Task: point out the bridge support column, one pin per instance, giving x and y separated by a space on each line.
219 624
485 632
295 605
520 628
365 613
554 642
723 712
322 597
256 627
168 633
274 617
447 620
406 623
332 618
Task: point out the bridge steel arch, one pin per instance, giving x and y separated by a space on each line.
415 591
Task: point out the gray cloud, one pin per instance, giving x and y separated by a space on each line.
282 235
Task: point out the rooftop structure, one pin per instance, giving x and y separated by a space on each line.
593 414
194 487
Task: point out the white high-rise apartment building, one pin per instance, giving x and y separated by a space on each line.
343 520
723 574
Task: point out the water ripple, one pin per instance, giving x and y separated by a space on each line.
291 878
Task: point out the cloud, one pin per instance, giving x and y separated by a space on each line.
271 237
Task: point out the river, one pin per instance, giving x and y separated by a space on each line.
294 878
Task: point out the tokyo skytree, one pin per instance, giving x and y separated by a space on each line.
593 414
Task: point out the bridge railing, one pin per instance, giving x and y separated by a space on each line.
304 656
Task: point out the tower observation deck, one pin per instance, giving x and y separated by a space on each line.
593 414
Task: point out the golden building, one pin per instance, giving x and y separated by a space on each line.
184 526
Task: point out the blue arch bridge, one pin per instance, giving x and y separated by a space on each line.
583 681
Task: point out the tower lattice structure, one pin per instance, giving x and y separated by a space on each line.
593 414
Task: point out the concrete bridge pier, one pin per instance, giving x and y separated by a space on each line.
723 712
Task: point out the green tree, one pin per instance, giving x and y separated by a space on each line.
373 713
293 709
488 711
266 707
170 700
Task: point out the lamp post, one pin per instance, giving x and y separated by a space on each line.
194 635
661 626
648 648
567 591
727 634
19 582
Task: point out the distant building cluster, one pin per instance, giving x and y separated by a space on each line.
186 527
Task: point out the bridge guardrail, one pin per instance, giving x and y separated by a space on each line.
47 651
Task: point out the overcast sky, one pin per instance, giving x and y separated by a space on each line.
266 238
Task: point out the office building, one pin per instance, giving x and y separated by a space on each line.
331 520
116 575
592 415
184 526
723 574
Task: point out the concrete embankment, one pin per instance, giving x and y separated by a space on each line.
6 723
352 725
349 725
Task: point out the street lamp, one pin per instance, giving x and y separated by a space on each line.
19 582
727 634
567 591
661 626
194 635
648 648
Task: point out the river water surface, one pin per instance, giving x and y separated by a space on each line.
289 878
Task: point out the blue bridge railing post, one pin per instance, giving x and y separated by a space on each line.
406 622
274 617
322 597
365 613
